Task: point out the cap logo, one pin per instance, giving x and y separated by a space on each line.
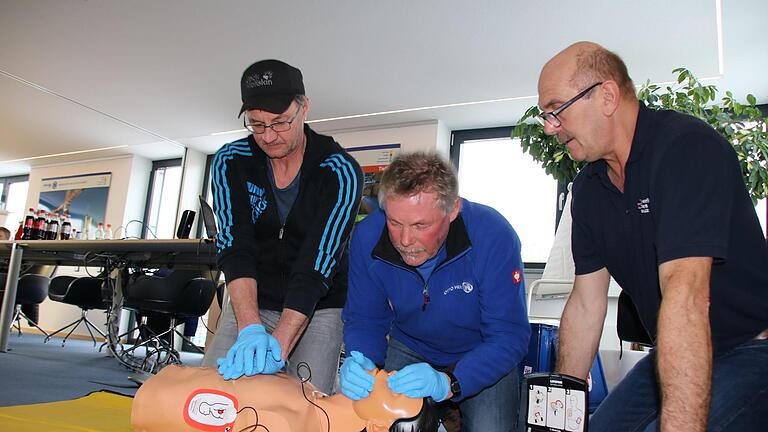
258 80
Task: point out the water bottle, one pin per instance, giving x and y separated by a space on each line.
100 232
108 232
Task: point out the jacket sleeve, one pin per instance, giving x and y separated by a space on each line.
337 203
236 254
505 330
367 315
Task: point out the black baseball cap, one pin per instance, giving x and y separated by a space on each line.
270 85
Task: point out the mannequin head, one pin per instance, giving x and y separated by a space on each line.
182 398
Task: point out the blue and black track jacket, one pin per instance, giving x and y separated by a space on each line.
301 265
474 320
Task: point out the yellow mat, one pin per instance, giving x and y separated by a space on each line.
98 411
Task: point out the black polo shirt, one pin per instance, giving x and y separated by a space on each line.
684 196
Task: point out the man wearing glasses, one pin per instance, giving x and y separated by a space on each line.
663 209
285 198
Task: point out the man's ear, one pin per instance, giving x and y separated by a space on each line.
611 96
305 108
456 209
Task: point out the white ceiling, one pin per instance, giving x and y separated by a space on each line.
153 76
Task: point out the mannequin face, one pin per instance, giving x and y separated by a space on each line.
382 407
182 398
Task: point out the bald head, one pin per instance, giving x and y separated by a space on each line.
585 63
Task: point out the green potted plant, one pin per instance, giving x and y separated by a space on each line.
742 124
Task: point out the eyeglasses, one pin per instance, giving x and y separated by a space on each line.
281 126
551 117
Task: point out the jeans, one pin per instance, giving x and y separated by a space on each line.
493 409
739 394
319 346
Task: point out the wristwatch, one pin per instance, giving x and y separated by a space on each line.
453 384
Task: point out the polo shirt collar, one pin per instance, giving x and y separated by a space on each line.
643 131
639 141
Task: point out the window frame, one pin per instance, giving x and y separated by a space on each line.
156 165
6 182
459 137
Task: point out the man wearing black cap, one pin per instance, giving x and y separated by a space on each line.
286 199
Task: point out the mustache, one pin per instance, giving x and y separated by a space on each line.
403 250
564 138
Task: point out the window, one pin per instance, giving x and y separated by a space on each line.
493 170
162 200
13 198
762 211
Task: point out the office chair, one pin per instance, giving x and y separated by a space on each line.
32 289
174 296
83 292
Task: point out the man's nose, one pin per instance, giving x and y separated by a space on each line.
550 129
406 238
269 135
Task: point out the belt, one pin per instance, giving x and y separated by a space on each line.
763 335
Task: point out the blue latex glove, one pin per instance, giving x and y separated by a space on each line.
420 380
254 352
355 382
271 366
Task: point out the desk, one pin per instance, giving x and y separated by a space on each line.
111 254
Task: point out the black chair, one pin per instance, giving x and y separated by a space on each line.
83 292
32 289
172 297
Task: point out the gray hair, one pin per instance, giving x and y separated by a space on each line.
413 173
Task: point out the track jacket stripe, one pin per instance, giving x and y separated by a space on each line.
333 232
222 198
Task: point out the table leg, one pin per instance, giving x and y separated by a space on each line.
9 300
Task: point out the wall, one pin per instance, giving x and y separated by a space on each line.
125 202
412 137
191 185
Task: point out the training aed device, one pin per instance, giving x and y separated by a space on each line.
185 224
554 403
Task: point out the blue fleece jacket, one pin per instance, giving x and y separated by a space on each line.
475 321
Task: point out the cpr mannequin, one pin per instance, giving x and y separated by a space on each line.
183 398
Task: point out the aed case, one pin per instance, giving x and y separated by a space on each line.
553 403
542 355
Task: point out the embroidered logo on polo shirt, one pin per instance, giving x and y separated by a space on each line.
644 205
258 201
517 276
466 287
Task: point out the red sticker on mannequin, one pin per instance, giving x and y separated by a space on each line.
210 410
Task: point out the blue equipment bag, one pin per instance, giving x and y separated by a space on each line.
542 355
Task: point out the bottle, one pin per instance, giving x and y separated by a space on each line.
52 231
108 232
66 229
19 232
40 226
29 224
100 232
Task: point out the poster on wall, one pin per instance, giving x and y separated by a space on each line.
373 160
82 199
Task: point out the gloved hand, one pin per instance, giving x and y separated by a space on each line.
271 366
355 382
420 380
254 352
